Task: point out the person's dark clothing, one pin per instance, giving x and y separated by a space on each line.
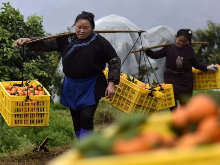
83 60
84 118
179 63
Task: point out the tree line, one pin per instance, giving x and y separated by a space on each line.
14 66
42 65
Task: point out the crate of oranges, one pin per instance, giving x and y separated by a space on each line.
134 96
168 100
190 135
206 80
24 103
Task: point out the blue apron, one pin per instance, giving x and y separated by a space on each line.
78 93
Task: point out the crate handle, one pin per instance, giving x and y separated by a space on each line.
161 88
151 91
151 94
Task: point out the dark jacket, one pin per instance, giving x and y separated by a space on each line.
84 58
179 63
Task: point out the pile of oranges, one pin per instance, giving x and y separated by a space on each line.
30 89
196 123
139 83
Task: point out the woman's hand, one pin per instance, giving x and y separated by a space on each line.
110 90
21 41
212 68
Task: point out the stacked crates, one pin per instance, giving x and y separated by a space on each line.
131 98
20 111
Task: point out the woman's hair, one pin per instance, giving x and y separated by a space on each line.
88 16
186 33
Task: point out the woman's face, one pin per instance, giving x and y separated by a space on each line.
83 28
181 41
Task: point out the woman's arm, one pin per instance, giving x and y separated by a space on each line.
198 65
44 45
110 56
156 54
114 70
113 76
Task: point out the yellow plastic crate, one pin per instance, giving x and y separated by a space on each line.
206 80
201 155
18 111
130 98
207 155
168 100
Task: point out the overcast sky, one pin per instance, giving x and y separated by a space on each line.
146 14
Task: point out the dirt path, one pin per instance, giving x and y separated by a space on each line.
37 158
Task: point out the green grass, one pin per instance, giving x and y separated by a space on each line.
60 131
213 93
22 140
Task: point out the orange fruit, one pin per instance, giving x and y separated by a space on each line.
41 92
16 87
188 140
13 90
20 93
27 92
180 118
142 85
209 129
152 139
163 84
201 106
39 88
35 87
31 89
140 143
20 88
36 92
8 87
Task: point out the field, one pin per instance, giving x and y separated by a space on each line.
17 144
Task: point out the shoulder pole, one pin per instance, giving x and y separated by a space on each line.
97 31
164 45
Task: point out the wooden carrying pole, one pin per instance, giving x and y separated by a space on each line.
96 31
153 47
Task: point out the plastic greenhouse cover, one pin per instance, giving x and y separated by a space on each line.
123 42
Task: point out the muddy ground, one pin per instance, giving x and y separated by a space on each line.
35 158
